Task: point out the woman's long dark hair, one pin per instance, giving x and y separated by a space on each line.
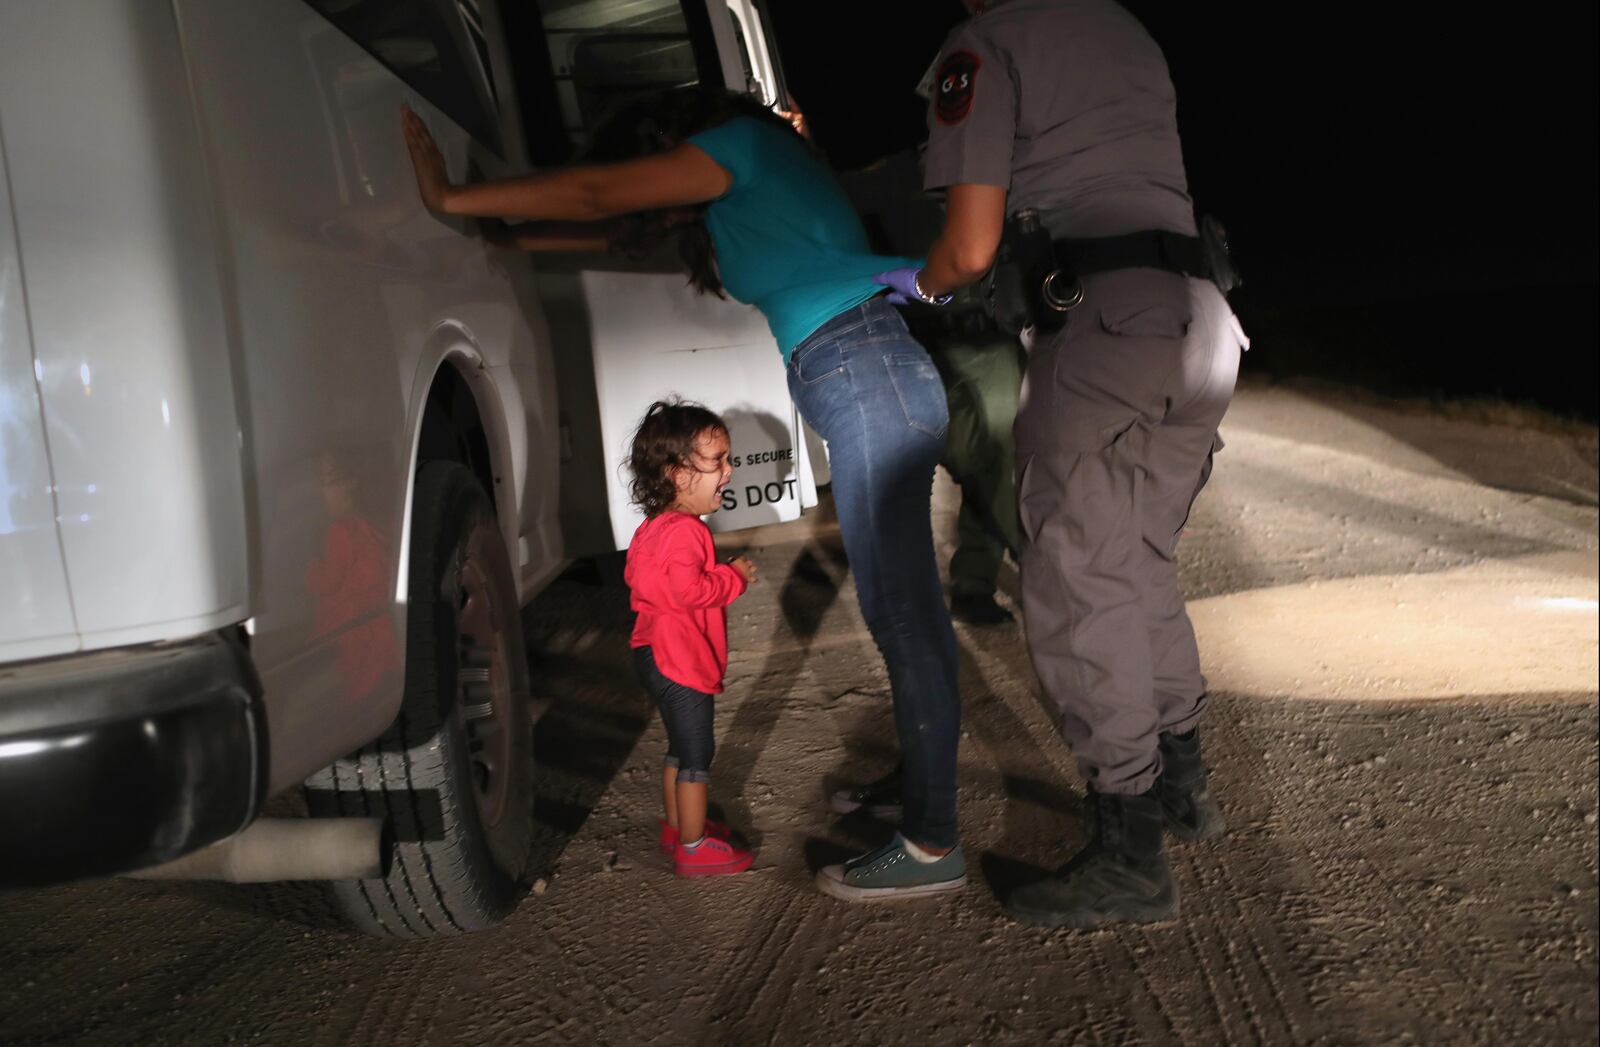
655 125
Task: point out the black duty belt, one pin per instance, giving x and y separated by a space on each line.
1148 249
1039 279
967 322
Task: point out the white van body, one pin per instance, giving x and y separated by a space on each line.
229 334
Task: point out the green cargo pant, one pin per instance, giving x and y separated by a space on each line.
982 375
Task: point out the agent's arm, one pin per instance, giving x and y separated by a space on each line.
975 216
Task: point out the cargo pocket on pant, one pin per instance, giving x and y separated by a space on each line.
1170 550
1027 518
921 393
1080 500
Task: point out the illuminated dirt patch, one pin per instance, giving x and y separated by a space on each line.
1519 627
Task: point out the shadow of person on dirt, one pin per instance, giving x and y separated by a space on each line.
810 588
592 710
1037 802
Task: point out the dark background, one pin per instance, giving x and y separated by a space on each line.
1411 194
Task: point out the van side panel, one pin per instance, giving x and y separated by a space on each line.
348 297
114 220
35 611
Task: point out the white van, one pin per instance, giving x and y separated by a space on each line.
282 454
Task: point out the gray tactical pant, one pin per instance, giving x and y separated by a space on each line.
1115 436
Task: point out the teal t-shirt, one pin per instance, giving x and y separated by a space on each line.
787 240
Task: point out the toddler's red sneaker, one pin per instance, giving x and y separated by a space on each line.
669 834
711 857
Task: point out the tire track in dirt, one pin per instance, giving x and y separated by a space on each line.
772 981
1214 996
1234 950
1161 1026
1259 944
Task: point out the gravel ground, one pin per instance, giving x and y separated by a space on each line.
1398 615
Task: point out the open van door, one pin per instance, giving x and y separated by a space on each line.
757 55
627 333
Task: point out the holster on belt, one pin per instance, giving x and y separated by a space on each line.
1027 270
1214 241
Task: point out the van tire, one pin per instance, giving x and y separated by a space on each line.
456 795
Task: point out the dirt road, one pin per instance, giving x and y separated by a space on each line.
1398 612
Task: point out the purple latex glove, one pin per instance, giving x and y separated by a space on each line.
902 283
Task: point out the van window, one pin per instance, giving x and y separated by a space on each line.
607 53
438 47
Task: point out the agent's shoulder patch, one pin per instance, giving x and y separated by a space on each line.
954 85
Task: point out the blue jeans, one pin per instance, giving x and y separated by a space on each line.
873 394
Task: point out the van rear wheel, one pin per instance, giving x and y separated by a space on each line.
453 774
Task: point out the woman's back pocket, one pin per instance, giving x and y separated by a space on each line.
920 392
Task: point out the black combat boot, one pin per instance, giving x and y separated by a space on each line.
979 609
1121 876
1185 797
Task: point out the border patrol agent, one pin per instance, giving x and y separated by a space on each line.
1061 113
981 366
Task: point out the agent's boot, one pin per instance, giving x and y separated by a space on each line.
979 609
1191 812
1122 875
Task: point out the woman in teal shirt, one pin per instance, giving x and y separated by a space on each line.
759 217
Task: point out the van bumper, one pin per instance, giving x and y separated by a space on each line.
116 760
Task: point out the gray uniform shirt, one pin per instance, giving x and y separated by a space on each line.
1067 104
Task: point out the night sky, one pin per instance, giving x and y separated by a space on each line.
1412 195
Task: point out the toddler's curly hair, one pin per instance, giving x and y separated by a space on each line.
665 439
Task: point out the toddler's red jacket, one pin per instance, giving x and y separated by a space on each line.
680 592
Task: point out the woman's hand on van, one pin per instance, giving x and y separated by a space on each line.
433 181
